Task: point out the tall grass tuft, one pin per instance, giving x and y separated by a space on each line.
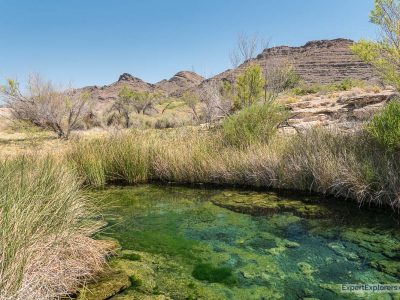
350 165
45 249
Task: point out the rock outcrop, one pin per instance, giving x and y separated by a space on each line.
345 110
322 62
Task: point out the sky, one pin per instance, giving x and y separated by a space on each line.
92 42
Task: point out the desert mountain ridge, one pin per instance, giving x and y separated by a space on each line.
320 61
174 86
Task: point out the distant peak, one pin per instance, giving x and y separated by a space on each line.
192 76
128 77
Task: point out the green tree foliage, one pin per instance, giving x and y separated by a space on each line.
129 101
191 100
249 86
125 105
385 126
384 54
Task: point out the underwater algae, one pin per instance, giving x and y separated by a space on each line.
188 243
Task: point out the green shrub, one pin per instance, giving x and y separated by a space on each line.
305 90
347 84
385 126
344 85
256 123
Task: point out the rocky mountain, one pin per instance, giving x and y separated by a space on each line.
323 62
174 86
180 82
110 92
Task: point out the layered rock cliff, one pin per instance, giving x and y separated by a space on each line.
322 62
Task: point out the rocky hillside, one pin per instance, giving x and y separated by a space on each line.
323 62
180 82
172 87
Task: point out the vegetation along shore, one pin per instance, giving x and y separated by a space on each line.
274 123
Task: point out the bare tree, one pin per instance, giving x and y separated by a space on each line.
247 47
279 76
215 105
46 106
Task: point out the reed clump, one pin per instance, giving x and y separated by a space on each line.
350 165
45 245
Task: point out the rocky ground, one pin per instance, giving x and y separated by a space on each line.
344 110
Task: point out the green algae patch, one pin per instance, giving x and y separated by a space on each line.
306 269
387 266
375 241
210 273
264 204
341 250
130 255
108 286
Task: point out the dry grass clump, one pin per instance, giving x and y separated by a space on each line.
45 249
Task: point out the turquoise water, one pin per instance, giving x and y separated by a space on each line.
193 243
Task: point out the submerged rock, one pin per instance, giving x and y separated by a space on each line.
140 274
108 286
264 204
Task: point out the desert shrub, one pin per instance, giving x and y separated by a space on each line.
347 84
344 85
256 123
305 90
385 126
165 123
45 250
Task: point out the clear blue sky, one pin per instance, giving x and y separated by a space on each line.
88 42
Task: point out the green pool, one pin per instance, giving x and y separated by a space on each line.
198 243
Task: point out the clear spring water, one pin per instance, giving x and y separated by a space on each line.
177 243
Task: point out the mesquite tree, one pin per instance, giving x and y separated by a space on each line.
384 54
46 106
